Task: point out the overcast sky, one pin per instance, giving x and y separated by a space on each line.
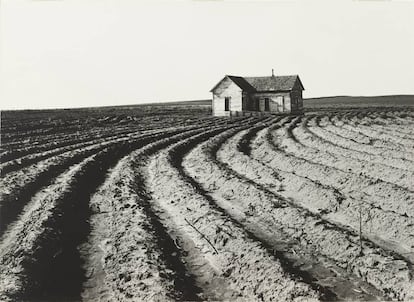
75 53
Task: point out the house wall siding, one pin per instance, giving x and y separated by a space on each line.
276 103
297 100
227 88
245 101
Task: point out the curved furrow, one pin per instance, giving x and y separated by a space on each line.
307 145
378 134
352 179
48 266
355 141
54 143
399 136
358 187
92 129
65 134
397 131
270 215
378 142
21 135
327 200
101 128
350 124
316 196
402 130
32 128
34 157
203 228
347 132
383 116
49 130
168 247
332 204
18 187
129 254
320 139
17 248
244 144
390 126
389 113
40 150
391 169
103 131
391 117
396 171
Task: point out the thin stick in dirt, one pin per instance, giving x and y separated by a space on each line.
202 235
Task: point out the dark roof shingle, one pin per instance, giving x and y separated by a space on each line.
260 84
242 83
272 83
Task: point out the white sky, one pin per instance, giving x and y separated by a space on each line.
75 53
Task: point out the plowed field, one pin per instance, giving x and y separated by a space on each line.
110 206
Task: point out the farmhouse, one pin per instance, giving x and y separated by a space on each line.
235 95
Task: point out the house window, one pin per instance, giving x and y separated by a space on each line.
267 104
227 104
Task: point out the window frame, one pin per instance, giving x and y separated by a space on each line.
227 103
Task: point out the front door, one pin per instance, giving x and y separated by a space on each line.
267 104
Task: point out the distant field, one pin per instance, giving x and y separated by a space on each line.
359 101
93 114
320 102
203 108
336 102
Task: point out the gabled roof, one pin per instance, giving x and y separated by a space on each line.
239 81
242 83
259 84
274 83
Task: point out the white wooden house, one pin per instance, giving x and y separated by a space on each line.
235 95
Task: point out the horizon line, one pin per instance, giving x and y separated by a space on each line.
163 102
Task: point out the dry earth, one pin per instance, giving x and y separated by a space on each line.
164 205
